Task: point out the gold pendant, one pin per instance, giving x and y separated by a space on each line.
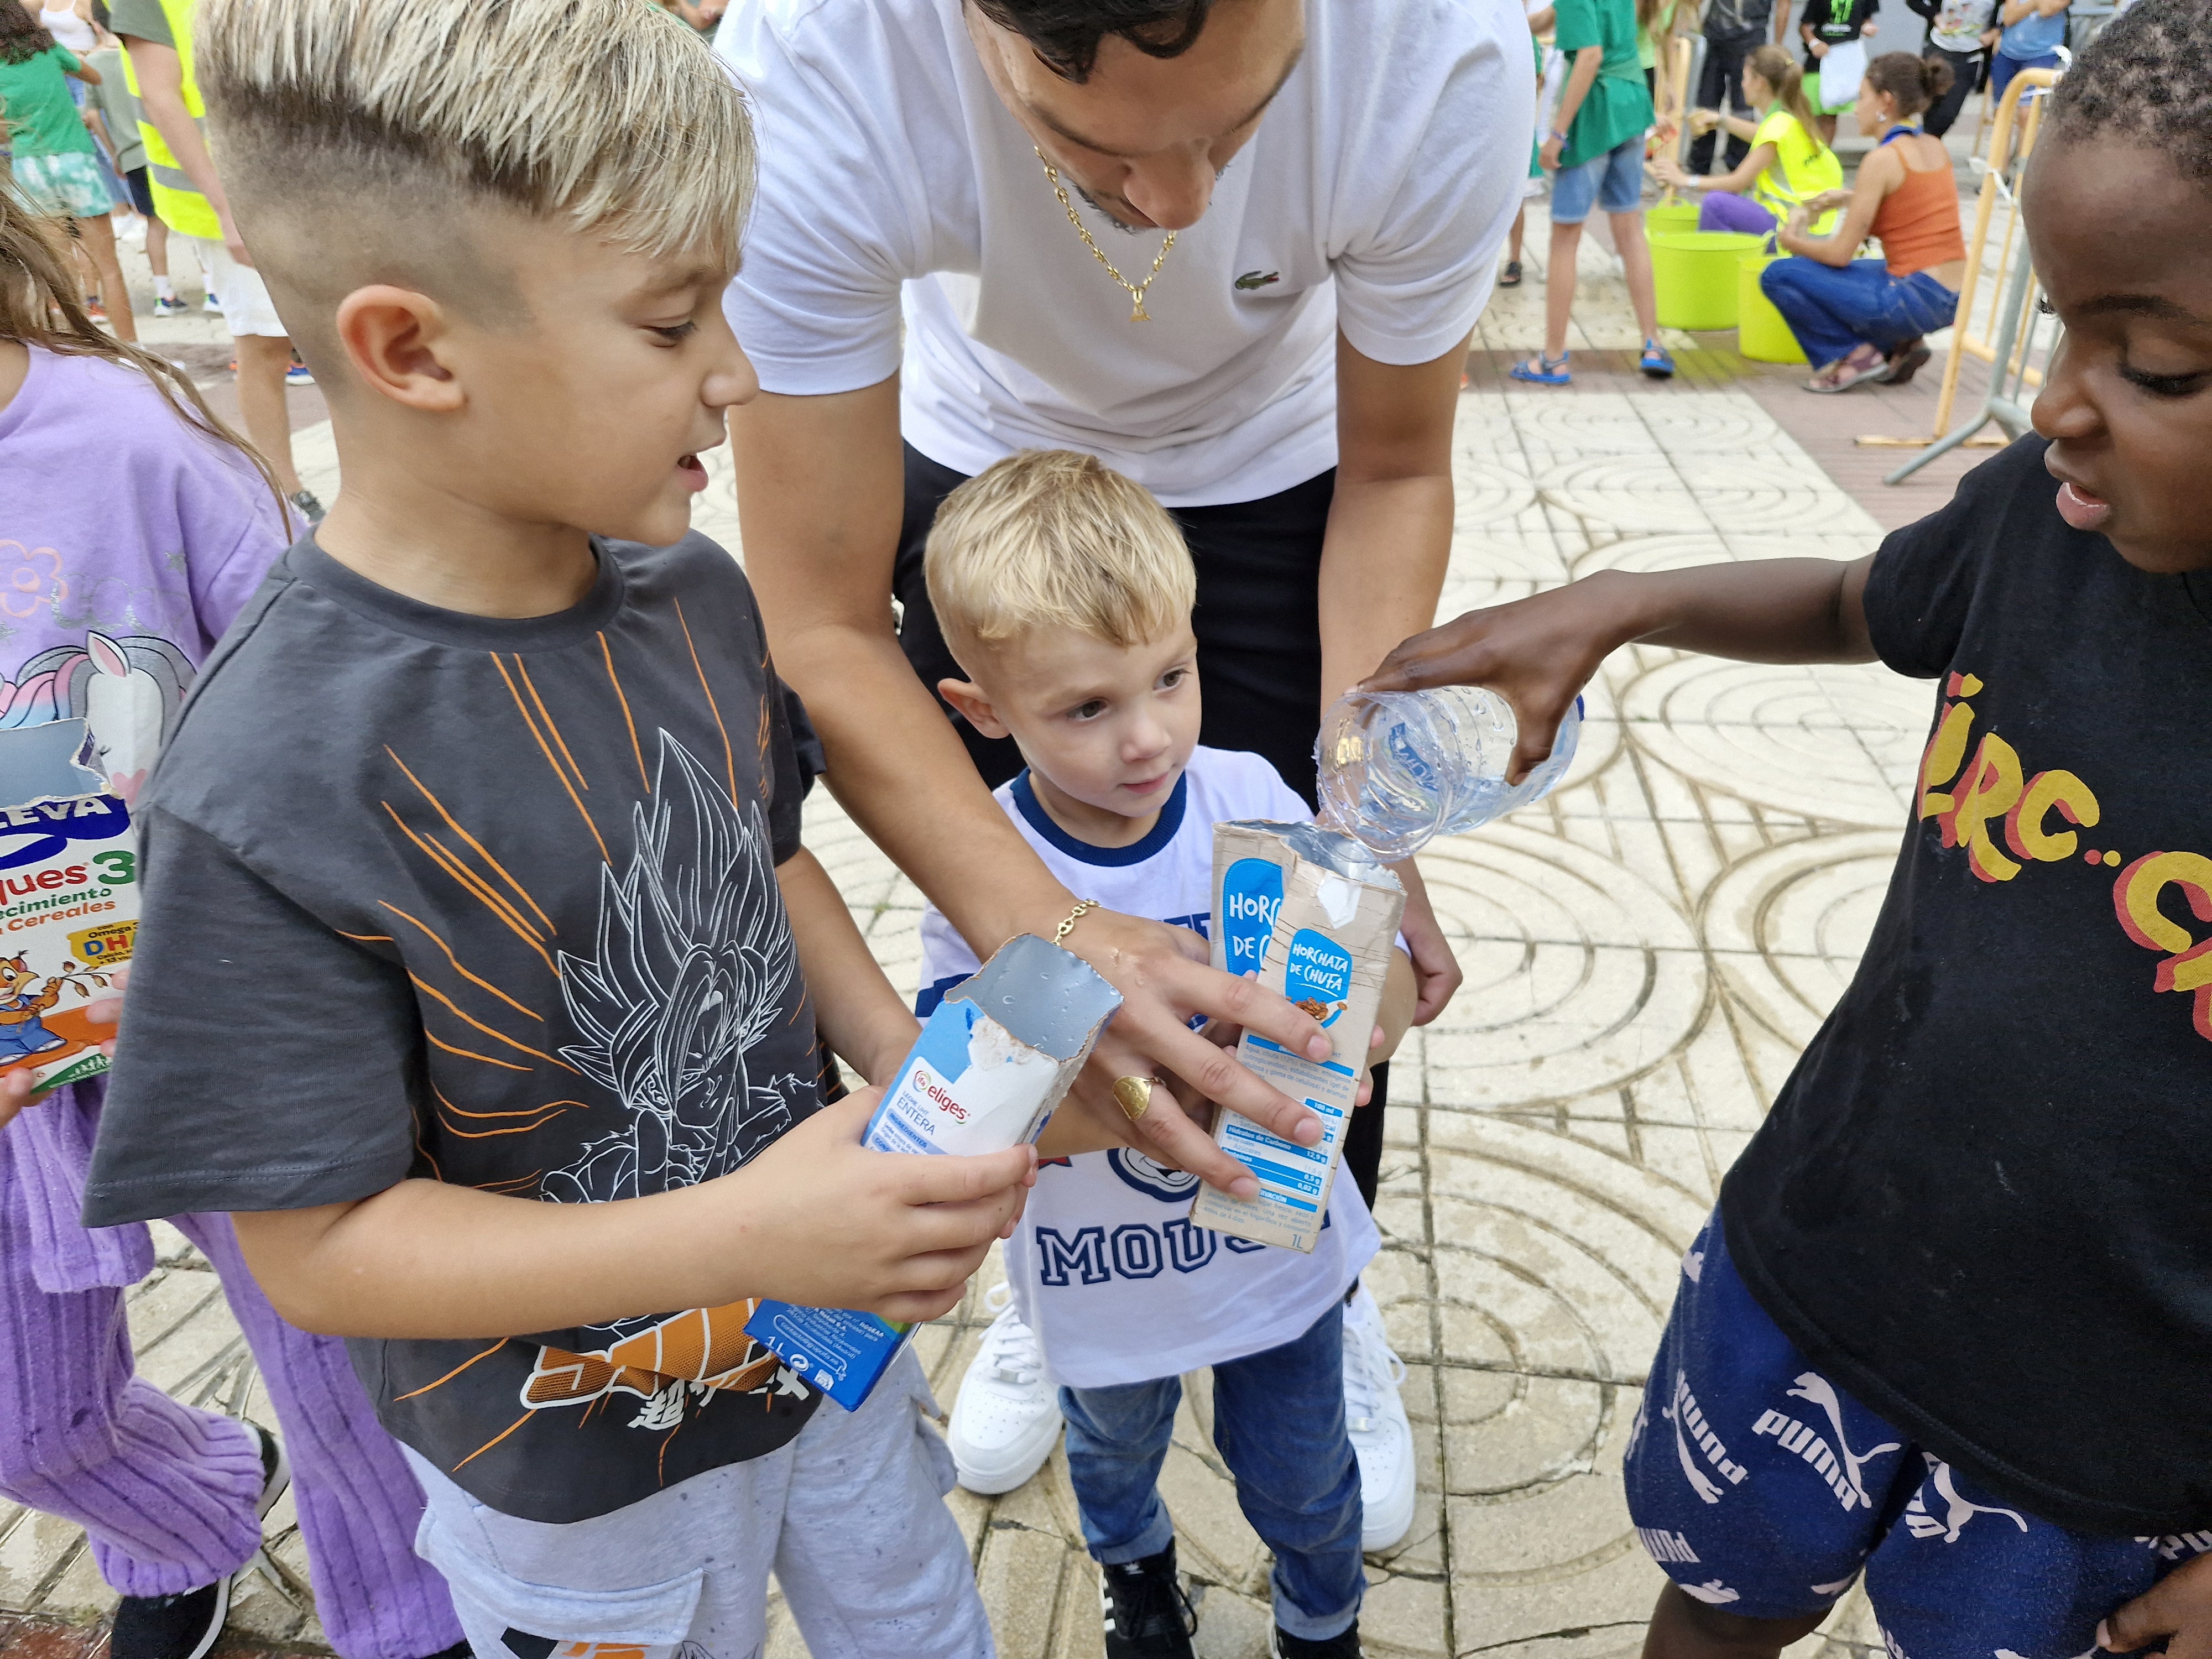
1137 312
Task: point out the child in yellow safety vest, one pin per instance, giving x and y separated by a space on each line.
1788 162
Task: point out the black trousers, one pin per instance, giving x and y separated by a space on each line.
1258 622
1966 70
1720 86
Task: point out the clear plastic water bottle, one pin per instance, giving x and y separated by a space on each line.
1399 769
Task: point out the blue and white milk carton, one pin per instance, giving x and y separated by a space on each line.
990 1065
1313 913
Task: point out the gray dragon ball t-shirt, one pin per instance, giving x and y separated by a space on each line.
490 901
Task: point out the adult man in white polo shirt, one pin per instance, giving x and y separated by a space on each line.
1232 247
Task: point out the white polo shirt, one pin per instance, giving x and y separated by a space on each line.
893 184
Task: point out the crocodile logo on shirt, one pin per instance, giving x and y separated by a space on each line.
1252 279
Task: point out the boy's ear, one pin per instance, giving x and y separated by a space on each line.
974 707
398 341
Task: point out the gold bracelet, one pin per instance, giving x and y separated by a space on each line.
1060 933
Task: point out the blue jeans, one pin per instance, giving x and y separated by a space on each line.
1831 309
1279 1422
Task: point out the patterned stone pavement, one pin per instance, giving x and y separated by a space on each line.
1646 951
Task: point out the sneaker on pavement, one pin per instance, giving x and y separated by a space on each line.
185 1626
298 374
169 305
1147 1610
212 305
1006 1420
1382 1438
1344 1644
304 502
170 1627
94 309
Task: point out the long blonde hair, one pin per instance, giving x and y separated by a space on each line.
39 306
1771 64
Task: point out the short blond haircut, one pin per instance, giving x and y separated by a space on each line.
1048 537
354 130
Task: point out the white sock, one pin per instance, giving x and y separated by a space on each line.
163 289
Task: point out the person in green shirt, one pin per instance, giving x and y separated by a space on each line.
1597 154
1787 163
53 158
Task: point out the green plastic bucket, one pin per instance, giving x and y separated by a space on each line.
1695 273
1670 217
1761 334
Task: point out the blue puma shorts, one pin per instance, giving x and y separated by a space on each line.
1762 1489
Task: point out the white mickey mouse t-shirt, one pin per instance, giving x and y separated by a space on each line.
895 185
1106 1266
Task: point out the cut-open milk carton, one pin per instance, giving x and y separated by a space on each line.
1313 913
993 1060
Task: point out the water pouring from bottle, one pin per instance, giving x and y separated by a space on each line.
1399 769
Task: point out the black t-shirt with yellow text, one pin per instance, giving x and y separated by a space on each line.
1984 1199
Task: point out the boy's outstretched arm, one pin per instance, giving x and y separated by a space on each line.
816 1218
855 1009
1539 652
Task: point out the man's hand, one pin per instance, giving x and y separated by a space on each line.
1164 981
2175 1614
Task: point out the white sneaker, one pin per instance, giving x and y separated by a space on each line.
1006 1421
1382 1438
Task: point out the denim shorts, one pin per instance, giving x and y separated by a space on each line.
1614 181
1762 1488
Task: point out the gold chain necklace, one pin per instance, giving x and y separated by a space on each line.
1136 290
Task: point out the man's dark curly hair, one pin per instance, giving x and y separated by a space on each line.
2142 81
1065 34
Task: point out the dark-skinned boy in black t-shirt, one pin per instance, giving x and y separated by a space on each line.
1950 1326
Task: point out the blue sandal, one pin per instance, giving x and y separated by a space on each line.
1656 362
1540 370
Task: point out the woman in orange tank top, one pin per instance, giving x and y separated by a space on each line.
1863 320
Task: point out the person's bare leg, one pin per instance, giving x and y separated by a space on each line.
1513 236
1683 1627
262 360
157 246
1636 264
1559 287
97 237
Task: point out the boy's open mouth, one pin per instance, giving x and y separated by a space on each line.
694 471
2082 509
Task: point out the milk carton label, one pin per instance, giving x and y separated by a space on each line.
992 1062
68 901
1334 920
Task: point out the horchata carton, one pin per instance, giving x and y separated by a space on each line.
993 1060
1315 916
69 900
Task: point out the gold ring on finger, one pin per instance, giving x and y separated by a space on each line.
1134 1095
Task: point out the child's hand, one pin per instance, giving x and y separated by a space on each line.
14 1093
1703 121
2176 1612
1870 28
1537 653
888 1233
16 1083
1554 146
